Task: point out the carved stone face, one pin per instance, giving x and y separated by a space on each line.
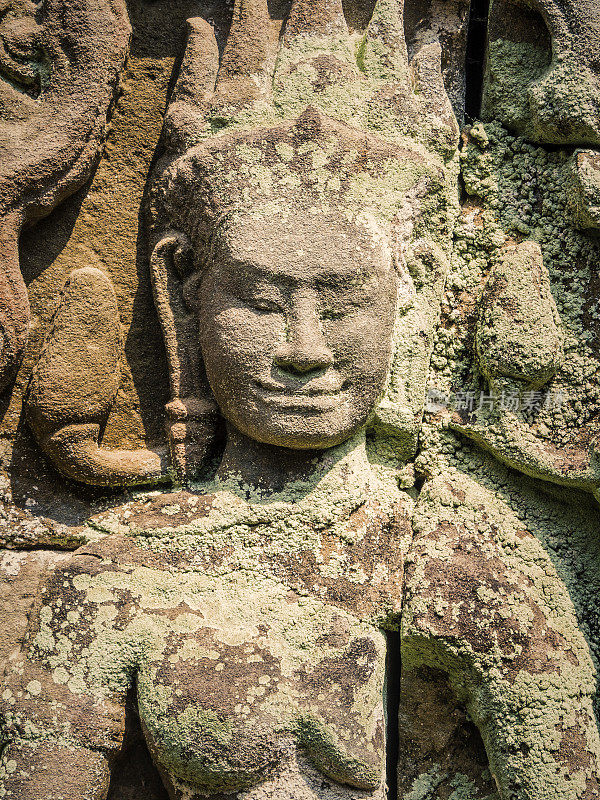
296 318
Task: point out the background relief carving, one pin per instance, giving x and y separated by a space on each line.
299 372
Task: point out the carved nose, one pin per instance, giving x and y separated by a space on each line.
300 360
305 349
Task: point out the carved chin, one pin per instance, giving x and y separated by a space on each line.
302 426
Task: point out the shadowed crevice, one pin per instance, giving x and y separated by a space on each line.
476 53
392 709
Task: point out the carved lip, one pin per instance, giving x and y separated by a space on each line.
313 397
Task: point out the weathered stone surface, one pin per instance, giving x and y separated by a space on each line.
21 574
347 318
59 69
74 384
548 432
519 661
518 333
543 75
100 227
440 749
304 668
585 201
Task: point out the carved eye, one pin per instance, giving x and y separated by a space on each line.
265 306
333 313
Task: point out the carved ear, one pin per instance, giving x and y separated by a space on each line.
399 414
170 264
192 414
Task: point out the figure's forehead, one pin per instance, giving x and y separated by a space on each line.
302 245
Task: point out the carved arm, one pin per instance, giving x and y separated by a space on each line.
485 604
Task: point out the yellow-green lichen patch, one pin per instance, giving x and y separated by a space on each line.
250 625
512 636
520 202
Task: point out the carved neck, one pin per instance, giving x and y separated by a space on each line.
271 469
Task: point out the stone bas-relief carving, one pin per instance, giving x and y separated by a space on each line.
75 382
337 491
59 68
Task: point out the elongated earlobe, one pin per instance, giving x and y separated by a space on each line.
170 262
192 414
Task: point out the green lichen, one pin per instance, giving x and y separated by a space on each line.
553 102
512 67
520 197
471 505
